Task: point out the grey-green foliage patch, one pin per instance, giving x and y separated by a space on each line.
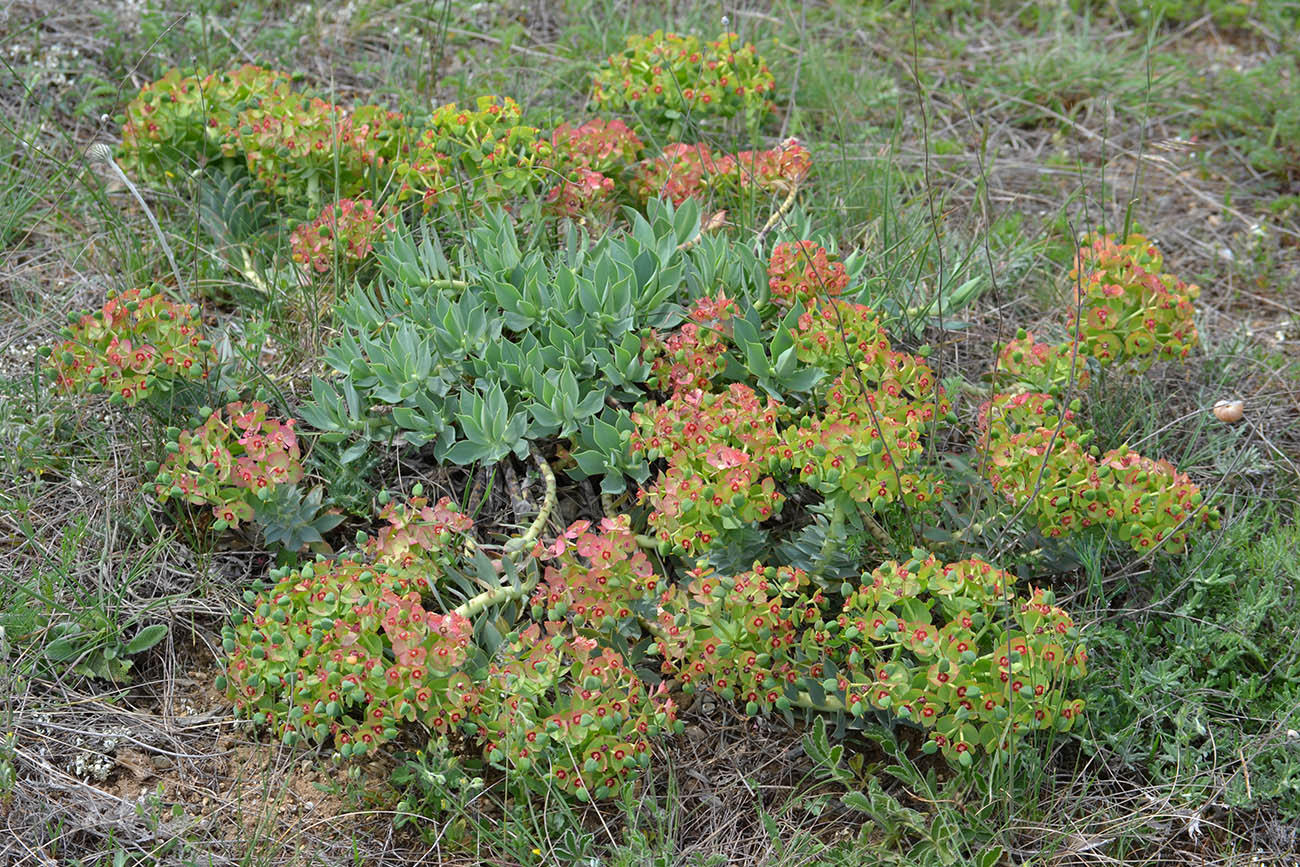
34 441
924 826
295 519
20 164
1197 670
518 346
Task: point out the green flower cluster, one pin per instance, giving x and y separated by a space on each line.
234 462
561 709
1130 309
951 647
944 646
1037 457
669 79
345 649
135 346
474 157
180 122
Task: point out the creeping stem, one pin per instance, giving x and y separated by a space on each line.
776 217
833 534
496 596
534 532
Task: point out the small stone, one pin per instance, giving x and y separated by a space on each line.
161 763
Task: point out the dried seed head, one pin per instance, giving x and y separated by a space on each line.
99 153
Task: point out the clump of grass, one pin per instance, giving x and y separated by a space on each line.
1232 15
1200 668
1257 112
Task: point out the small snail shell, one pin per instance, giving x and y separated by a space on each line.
1229 411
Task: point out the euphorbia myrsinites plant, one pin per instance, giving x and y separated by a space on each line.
784 455
948 646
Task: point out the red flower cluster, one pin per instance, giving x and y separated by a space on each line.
726 455
693 356
720 449
933 643
134 346
346 229
583 193
181 121
863 442
1132 311
345 648
779 169
231 464
1160 505
680 172
590 157
1041 366
833 334
419 537
594 579
301 147
604 146
684 171
801 272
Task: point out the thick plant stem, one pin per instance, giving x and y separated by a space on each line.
534 531
833 532
251 275
776 217
471 608
647 542
877 532
830 705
